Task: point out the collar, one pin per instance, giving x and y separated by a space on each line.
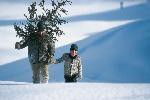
72 57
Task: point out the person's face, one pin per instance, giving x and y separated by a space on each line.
40 33
73 53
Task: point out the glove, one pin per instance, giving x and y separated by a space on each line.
17 45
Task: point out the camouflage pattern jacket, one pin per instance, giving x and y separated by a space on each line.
71 65
39 52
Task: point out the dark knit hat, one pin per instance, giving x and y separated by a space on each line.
74 47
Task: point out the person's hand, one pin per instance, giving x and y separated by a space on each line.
51 59
17 45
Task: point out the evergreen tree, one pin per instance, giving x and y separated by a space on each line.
50 18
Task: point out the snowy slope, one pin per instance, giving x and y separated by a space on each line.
119 55
135 12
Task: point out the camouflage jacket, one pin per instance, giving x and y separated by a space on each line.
39 52
71 65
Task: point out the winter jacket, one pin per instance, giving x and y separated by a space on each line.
72 65
38 51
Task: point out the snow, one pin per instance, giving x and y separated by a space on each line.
114 46
71 91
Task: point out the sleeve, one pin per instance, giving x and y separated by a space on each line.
80 69
51 48
23 45
59 60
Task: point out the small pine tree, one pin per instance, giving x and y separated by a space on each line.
50 18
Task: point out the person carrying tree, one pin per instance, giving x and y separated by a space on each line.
39 54
39 32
